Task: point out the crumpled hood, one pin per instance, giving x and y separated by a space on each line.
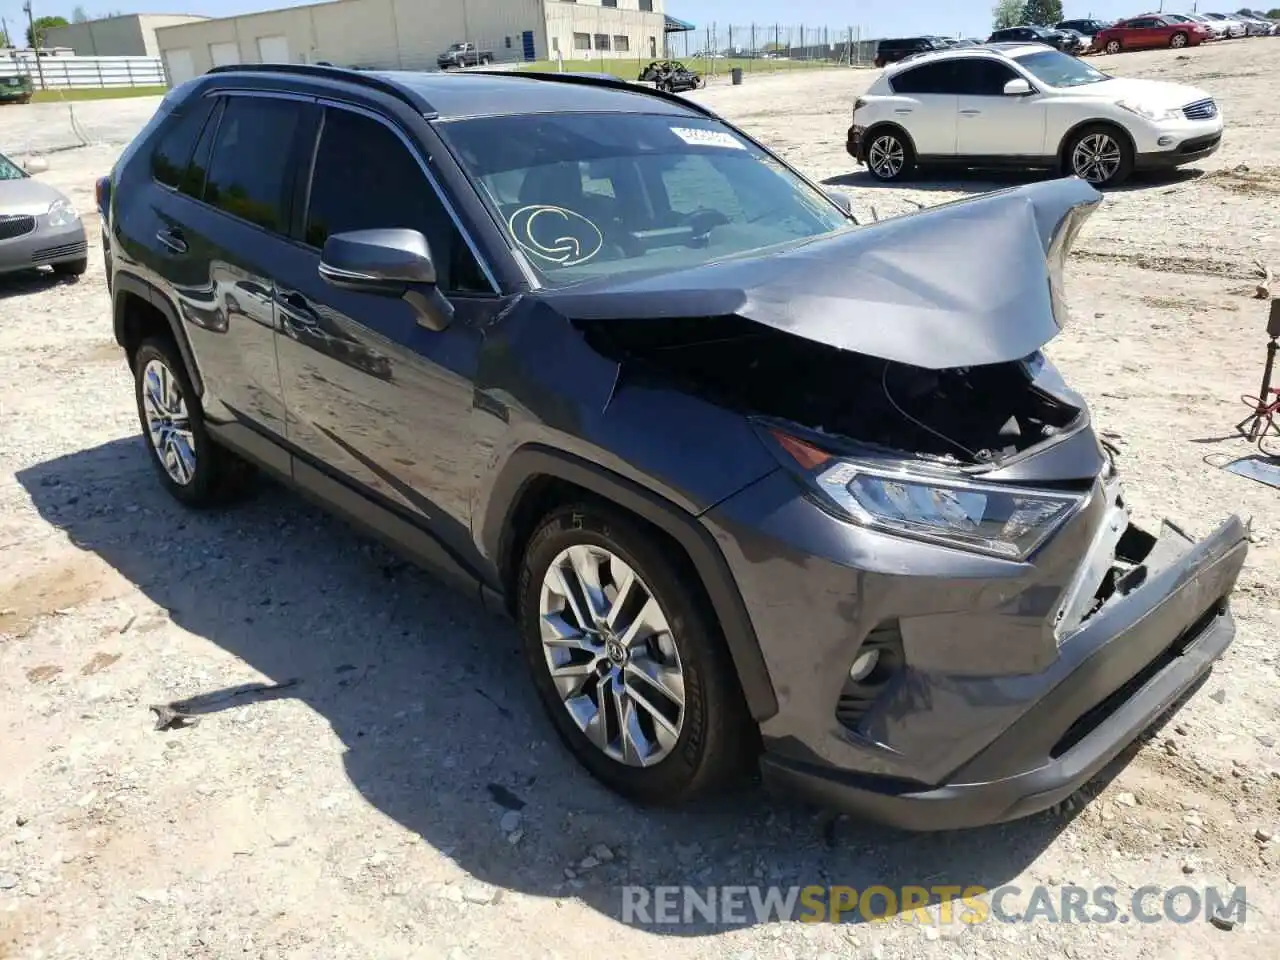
26 197
972 282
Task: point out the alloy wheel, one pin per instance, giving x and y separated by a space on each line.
886 156
1096 158
1178 41
168 423
1113 46
611 655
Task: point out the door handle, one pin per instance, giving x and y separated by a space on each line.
172 239
969 113
298 313
902 110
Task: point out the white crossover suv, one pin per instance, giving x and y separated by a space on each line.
1026 105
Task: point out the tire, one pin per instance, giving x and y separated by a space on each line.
213 475
1113 46
1103 142
883 146
1178 40
72 268
707 743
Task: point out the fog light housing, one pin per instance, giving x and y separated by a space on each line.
1164 141
863 665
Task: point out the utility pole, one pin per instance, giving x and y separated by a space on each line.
35 40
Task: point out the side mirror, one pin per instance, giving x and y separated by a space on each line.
392 263
1017 87
841 200
35 165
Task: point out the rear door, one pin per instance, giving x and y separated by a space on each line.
925 105
989 123
376 401
222 216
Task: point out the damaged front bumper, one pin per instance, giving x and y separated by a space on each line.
1008 707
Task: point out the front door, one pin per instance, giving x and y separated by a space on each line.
991 123
376 400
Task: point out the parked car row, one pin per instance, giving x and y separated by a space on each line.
1178 30
1027 105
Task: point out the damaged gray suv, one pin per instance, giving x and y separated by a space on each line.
762 488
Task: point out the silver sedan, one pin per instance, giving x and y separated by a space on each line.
39 227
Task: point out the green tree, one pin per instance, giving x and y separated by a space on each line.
42 26
1007 13
4 39
1044 13
1273 13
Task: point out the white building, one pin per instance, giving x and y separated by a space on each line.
133 35
410 34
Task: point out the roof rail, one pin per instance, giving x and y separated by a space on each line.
316 71
597 80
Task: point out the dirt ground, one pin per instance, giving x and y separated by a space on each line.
404 796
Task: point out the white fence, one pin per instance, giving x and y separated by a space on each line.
61 72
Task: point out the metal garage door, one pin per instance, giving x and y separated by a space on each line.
224 53
180 65
273 49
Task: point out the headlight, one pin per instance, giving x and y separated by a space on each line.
1150 112
61 213
993 519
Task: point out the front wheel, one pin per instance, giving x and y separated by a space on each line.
889 156
1113 46
628 661
1101 155
72 268
1178 41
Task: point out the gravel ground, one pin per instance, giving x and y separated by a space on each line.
402 796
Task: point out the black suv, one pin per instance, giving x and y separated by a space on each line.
1058 39
756 483
899 48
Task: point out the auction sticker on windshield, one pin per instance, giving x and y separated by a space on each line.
707 138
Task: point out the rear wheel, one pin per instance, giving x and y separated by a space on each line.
1113 46
628 662
195 470
1178 41
1101 155
889 155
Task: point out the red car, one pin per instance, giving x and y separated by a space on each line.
1147 32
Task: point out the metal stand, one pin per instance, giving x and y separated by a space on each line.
1251 425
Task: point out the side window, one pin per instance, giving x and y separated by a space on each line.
366 178
927 78
982 77
249 167
171 158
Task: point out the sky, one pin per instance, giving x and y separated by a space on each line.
877 18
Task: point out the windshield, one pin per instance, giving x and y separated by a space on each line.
453 47
593 195
1059 69
10 170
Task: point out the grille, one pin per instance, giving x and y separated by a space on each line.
56 253
1200 110
11 227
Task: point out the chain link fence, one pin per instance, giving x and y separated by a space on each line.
771 47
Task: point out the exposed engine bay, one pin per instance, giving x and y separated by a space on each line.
972 415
